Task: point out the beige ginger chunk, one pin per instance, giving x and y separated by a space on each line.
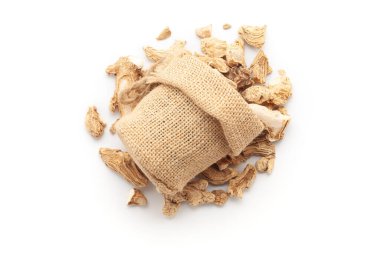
94 124
156 55
136 198
276 93
214 47
242 76
218 177
253 35
217 63
221 197
244 180
226 26
223 163
274 121
127 70
170 207
204 32
260 146
260 67
122 163
165 33
235 53
265 164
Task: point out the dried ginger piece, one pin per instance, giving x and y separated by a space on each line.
235 53
265 164
122 163
260 146
242 76
217 63
226 26
127 70
221 197
253 35
156 55
164 34
260 67
214 47
170 207
237 185
223 163
204 32
94 124
218 177
275 122
273 95
136 198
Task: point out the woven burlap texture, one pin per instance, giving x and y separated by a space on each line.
193 118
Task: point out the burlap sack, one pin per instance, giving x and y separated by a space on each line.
193 118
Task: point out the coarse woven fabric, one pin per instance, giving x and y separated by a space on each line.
193 118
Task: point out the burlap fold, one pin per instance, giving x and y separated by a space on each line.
189 121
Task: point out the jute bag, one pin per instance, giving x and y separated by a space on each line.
190 120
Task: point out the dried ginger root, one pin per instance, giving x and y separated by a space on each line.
214 47
165 33
226 26
122 163
235 53
216 63
242 76
260 67
243 181
136 198
156 55
204 32
94 124
273 95
253 35
274 121
265 164
221 197
218 177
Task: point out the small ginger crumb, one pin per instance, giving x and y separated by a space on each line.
204 32
214 47
242 181
253 35
226 26
164 34
94 124
136 198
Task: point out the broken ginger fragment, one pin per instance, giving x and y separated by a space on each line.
253 35
235 53
221 197
122 163
164 34
214 47
243 181
156 55
136 198
94 124
242 76
226 26
218 177
204 32
265 164
217 63
260 67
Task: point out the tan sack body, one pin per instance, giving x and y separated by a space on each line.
193 118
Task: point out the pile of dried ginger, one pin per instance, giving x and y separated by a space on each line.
266 99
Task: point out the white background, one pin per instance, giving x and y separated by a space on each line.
56 195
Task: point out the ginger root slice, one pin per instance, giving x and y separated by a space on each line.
243 181
94 124
136 198
122 163
214 47
217 63
253 35
260 67
127 70
164 34
235 53
156 55
226 26
274 121
275 94
265 164
221 197
242 76
204 32
219 177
